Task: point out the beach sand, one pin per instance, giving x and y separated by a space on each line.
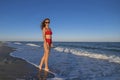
12 68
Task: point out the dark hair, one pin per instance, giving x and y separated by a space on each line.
43 23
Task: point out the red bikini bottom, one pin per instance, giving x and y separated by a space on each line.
49 41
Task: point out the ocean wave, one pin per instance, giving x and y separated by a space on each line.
101 48
110 58
113 49
79 65
17 43
93 46
31 44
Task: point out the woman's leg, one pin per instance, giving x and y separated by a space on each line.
43 58
47 57
42 61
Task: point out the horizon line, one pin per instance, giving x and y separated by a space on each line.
53 41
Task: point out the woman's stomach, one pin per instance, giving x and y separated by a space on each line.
48 36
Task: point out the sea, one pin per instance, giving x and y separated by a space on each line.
74 60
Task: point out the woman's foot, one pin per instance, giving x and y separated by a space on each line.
40 67
46 69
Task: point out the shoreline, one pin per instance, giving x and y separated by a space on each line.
12 68
70 63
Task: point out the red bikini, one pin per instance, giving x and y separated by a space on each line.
48 32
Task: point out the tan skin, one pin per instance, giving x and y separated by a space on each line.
47 48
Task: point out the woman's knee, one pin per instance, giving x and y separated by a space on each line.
46 53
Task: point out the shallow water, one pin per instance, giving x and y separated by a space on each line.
75 60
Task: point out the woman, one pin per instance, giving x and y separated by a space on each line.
47 37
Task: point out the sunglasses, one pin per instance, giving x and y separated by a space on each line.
47 22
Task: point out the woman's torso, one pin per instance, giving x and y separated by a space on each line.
48 33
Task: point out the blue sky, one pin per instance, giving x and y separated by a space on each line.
71 20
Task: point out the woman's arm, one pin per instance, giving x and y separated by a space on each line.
43 34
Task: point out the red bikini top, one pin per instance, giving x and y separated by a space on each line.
48 31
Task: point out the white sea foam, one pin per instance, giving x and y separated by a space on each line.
79 64
31 55
31 44
111 58
92 67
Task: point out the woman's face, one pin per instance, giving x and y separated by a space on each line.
47 22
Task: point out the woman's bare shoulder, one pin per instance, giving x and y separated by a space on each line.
44 29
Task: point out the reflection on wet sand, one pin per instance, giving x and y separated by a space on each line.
42 74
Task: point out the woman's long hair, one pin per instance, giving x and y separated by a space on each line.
43 23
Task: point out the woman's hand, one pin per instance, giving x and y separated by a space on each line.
52 45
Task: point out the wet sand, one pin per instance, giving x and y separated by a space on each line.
12 68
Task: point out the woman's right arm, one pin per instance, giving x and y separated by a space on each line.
43 33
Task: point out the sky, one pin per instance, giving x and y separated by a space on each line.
71 20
